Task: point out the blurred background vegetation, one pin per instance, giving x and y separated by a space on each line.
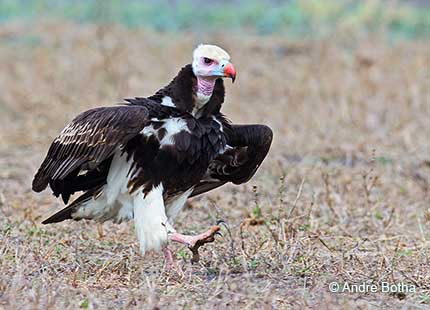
297 19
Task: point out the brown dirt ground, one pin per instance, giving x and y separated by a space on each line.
343 194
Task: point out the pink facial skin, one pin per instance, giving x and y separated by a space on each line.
209 70
206 78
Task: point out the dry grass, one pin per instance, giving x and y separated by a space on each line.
343 195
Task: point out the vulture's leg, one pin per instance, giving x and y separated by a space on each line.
170 261
194 242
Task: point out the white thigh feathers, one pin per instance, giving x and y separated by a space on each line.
150 220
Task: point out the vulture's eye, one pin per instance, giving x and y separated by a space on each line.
207 61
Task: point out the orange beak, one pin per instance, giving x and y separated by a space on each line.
230 71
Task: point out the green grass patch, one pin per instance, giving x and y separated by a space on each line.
309 18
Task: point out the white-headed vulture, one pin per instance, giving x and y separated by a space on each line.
143 159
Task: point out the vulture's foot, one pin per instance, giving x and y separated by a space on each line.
195 242
170 262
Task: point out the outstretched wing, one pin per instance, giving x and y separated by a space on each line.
248 146
89 140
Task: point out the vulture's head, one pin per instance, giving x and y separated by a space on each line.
212 61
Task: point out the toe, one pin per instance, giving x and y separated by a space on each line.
220 221
218 233
214 229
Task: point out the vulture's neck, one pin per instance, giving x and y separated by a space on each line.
198 96
205 87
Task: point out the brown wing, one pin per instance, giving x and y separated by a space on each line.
248 146
88 140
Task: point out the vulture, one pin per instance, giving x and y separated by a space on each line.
144 158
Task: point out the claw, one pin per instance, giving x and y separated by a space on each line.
196 255
218 233
223 223
220 221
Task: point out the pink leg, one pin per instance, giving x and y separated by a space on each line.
194 242
191 241
170 261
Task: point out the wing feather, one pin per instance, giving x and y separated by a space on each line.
248 146
88 140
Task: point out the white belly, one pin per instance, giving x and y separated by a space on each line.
114 203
